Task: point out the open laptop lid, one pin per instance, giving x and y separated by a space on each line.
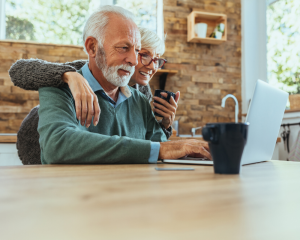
265 116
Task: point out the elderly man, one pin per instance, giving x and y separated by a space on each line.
127 131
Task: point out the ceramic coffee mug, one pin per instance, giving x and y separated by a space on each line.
201 29
157 93
226 144
218 35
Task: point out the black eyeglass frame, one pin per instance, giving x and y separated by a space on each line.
152 60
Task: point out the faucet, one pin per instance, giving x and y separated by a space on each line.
236 105
194 131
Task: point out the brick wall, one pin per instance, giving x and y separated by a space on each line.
16 103
207 73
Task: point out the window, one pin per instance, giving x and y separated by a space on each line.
62 22
145 11
47 21
270 32
283 30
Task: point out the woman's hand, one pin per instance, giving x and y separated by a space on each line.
86 101
167 110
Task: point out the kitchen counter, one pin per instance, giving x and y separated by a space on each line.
8 138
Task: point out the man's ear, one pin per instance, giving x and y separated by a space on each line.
91 45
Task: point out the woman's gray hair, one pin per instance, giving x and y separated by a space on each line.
150 41
95 26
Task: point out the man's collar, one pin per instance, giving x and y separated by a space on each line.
95 85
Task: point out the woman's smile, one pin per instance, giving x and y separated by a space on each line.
146 75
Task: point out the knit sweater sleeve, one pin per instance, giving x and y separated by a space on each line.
146 90
32 74
168 131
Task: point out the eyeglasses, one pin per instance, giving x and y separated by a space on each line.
146 60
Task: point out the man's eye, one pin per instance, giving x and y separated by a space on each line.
123 49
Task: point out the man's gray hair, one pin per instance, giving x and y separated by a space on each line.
95 26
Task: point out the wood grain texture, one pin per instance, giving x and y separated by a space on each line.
138 202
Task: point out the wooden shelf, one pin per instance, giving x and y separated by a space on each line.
291 110
212 20
8 138
213 41
163 73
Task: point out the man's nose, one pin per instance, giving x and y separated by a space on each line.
132 57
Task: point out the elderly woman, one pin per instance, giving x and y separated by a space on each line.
40 73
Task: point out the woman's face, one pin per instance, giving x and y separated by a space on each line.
143 74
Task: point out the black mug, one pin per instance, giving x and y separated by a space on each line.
226 144
157 93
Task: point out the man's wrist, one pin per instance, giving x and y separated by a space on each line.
161 149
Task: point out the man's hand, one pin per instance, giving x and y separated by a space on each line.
86 101
182 148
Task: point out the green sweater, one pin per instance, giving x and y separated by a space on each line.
123 134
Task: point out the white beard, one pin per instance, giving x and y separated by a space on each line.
111 73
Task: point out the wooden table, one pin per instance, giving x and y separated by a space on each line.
138 202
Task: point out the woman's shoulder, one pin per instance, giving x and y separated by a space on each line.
139 96
144 91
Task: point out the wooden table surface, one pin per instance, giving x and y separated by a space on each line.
138 202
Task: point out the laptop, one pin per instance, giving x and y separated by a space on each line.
265 115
